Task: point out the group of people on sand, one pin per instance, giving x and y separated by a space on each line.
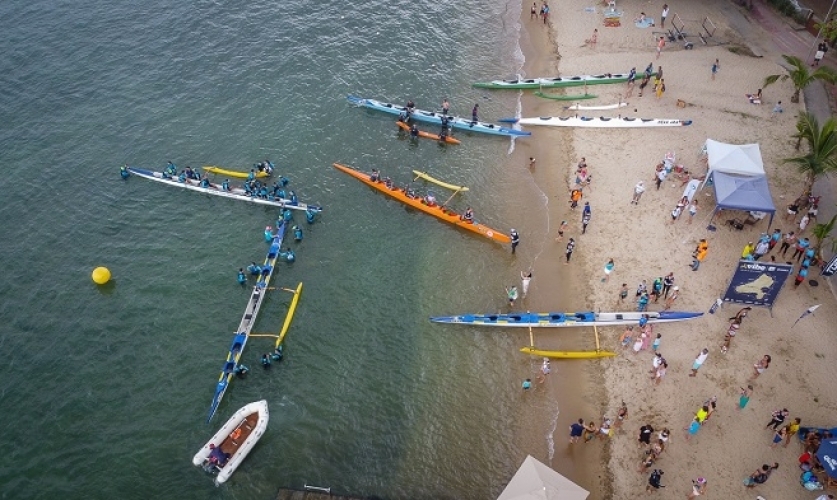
659 83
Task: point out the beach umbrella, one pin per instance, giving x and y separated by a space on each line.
827 455
536 481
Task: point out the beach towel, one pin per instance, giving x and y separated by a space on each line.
647 23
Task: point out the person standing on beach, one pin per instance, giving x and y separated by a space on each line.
778 418
527 384
589 431
788 240
793 430
525 279
661 88
699 254
532 163
761 366
660 177
744 398
545 370
585 217
645 433
701 358
660 44
575 197
533 14
608 268
570 248
511 293
654 481
715 67
515 240
623 293
693 428
638 190
663 16
668 282
693 208
576 430
779 436
561 228
621 416
698 487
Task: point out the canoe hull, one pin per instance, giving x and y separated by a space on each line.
442 214
567 354
604 107
250 436
424 176
565 320
556 82
233 194
603 122
456 122
428 135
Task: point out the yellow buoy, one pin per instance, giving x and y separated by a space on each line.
101 275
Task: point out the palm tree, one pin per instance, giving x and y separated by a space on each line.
822 144
800 76
822 232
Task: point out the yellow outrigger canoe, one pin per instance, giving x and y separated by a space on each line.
567 354
233 173
290 316
423 175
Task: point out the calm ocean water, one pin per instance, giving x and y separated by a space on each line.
106 390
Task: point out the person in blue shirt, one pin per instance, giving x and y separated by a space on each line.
293 198
287 215
241 371
182 177
205 183
242 278
252 175
277 354
310 215
265 361
774 239
801 246
171 168
642 303
297 233
527 384
123 171
254 269
800 278
225 186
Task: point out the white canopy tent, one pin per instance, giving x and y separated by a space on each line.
739 159
536 481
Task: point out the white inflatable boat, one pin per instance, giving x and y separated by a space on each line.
229 446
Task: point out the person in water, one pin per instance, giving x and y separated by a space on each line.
443 135
468 215
241 371
445 107
277 354
265 361
242 278
123 171
414 131
297 233
254 269
411 106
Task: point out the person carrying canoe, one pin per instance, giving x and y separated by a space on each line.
468 216
414 131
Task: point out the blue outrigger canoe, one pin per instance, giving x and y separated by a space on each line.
559 320
420 115
215 189
245 327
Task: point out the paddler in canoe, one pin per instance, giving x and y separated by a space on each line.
467 216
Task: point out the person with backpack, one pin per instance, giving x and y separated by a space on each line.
654 480
760 476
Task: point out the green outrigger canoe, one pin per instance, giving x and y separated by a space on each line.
557 82
568 97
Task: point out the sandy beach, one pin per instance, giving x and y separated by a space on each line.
645 244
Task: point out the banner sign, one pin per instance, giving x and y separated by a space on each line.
831 268
757 283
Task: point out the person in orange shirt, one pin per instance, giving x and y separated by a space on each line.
575 197
700 254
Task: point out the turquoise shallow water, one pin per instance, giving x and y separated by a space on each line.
106 389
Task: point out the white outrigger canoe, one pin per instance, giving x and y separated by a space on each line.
216 190
603 107
603 122
225 451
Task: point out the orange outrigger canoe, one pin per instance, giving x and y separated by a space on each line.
428 135
418 203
